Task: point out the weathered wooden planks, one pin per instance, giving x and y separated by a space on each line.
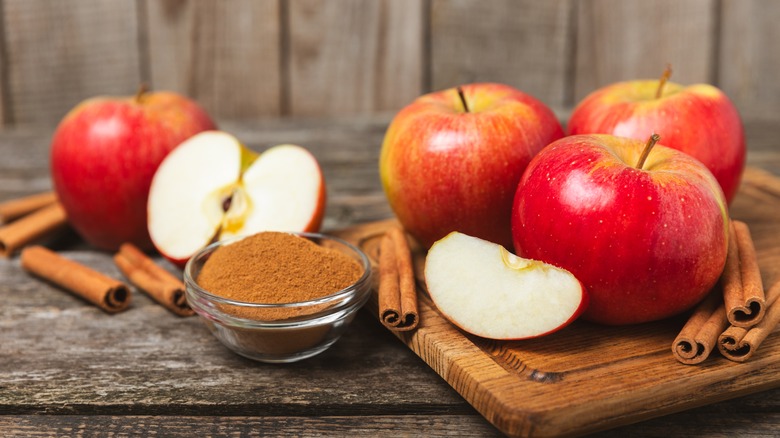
57 54
170 379
525 44
225 55
250 426
625 40
748 59
61 355
246 59
353 56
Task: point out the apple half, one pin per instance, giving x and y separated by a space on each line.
211 187
489 292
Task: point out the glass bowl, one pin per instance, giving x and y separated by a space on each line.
317 325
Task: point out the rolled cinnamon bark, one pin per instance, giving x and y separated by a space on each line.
389 287
699 336
743 294
397 289
16 208
148 276
32 227
740 343
407 289
105 292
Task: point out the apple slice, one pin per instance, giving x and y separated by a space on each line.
488 291
211 187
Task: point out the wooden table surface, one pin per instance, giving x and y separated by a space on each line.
68 369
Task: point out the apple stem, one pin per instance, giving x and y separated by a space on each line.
143 88
463 99
648 147
664 78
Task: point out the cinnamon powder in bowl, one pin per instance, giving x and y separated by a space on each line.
278 297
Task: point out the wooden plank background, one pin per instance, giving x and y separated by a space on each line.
250 59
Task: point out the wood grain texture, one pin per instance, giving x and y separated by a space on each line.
5 110
587 377
68 369
250 426
226 55
748 57
526 44
60 53
63 356
246 59
24 167
620 40
353 56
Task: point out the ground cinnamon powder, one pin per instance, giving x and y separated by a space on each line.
273 268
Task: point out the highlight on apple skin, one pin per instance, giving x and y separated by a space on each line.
212 188
699 120
487 291
451 160
647 242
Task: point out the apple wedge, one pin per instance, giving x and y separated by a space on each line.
211 187
489 292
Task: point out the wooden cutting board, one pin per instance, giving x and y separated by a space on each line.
587 377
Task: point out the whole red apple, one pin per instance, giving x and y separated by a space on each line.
104 154
648 240
451 160
699 120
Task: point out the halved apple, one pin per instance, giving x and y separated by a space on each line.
488 291
211 187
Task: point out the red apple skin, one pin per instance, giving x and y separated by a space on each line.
444 169
699 120
647 244
104 154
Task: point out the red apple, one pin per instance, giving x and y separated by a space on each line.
212 188
487 291
104 154
648 240
451 162
699 120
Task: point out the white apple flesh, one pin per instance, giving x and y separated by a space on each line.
212 187
489 292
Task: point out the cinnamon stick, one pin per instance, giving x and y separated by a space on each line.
159 284
389 287
32 227
743 293
397 290
105 292
406 279
699 336
16 208
740 343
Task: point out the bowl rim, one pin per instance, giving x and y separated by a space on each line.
353 288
